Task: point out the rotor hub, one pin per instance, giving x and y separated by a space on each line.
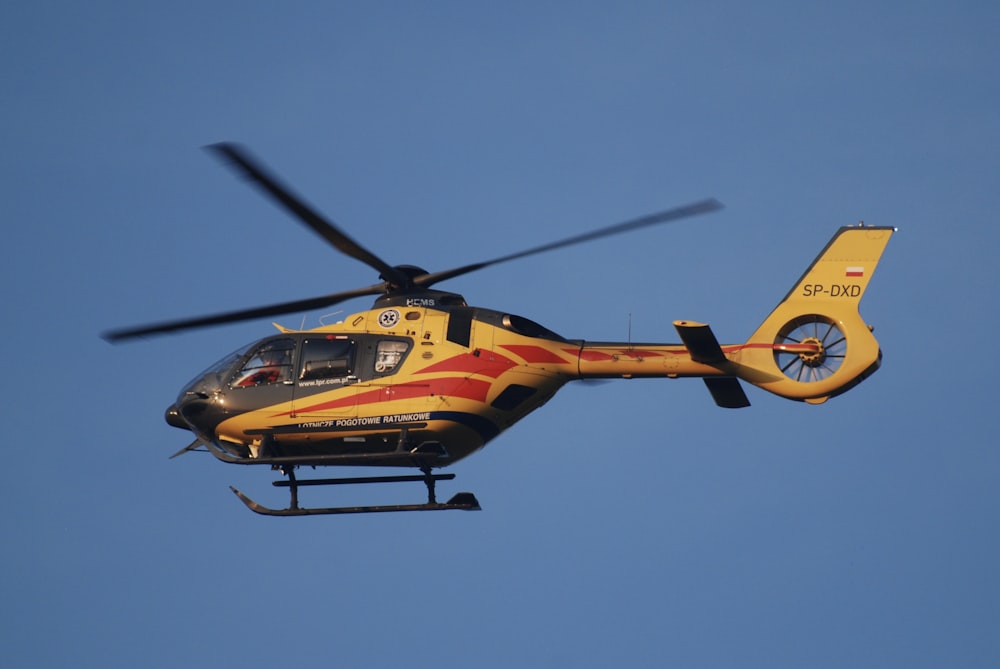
409 271
815 358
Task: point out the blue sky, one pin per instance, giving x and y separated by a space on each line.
632 523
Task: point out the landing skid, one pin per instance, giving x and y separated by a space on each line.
463 501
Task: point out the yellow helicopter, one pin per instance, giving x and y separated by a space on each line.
422 379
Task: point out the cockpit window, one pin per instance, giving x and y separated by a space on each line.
270 363
388 354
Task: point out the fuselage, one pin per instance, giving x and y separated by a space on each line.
400 377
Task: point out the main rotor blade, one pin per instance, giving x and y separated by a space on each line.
297 206
702 207
242 315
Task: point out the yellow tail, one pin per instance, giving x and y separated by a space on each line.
815 345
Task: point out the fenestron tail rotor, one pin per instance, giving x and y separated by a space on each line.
827 339
396 279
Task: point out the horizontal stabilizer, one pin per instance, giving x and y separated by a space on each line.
700 342
703 347
727 392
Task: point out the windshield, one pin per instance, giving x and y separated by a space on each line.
222 365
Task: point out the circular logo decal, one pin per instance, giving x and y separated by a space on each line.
388 318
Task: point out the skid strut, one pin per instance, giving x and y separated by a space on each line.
464 501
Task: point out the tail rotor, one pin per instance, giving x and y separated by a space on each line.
821 332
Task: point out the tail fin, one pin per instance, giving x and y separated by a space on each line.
815 345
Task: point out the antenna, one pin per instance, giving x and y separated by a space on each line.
630 330
332 313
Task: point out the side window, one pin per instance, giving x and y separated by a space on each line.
388 355
270 363
326 361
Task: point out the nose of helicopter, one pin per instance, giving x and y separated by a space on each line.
173 418
196 411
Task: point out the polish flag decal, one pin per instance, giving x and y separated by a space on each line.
854 271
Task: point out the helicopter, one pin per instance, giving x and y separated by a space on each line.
422 379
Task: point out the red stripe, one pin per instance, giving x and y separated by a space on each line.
592 355
462 388
487 363
534 353
639 353
469 389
